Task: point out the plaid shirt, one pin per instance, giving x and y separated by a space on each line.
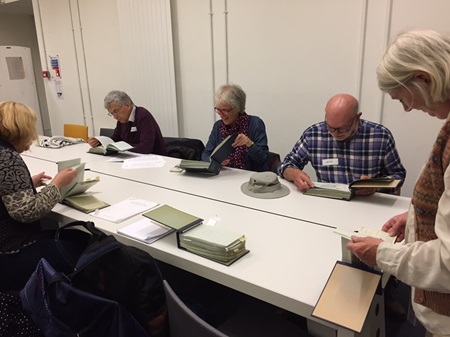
370 152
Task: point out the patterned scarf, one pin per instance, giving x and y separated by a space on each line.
237 158
427 192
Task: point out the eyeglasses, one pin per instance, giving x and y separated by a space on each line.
343 129
115 111
222 111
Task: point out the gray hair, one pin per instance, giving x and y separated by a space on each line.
233 95
117 96
417 51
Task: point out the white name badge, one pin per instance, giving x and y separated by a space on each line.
133 129
329 162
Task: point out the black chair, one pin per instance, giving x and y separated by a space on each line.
106 132
273 162
183 322
184 148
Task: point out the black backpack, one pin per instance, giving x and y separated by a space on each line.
121 273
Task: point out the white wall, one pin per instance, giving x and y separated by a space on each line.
290 56
105 45
19 30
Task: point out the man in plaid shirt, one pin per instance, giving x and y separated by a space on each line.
343 148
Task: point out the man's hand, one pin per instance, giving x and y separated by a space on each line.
365 192
299 178
93 142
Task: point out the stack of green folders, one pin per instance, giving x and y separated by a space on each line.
214 242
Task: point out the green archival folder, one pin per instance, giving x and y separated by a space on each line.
84 202
173 218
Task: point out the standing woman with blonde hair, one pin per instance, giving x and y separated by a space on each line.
415 70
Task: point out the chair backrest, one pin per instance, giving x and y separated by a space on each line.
273 162
184 148
106 132
182 321
76 131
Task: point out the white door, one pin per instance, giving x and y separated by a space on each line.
17 81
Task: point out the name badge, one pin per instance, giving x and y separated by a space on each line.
133 129
329 162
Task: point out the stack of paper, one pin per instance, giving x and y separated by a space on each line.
215 243
145 230
330 190
124 209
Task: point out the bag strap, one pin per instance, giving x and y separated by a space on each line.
97 235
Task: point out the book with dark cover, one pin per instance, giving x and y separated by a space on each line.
220 153
380 182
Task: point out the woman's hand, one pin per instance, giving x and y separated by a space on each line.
64 177
38 179
396 225
241 140
365 249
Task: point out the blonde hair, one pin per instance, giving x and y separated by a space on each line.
413 52
17 124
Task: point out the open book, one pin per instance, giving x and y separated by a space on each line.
220 153
380 182
73 194
348 257
108 146
346 192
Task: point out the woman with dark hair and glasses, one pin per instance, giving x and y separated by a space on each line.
251 150
343 148
415 70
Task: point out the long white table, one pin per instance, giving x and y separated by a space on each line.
371 211
289 260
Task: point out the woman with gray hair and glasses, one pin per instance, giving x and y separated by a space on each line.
251 150
415 70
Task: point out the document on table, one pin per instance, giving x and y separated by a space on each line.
145 230
144 162
124 209
122 156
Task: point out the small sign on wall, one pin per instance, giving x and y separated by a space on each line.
54 63
59 89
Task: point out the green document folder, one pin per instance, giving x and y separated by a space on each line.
172 217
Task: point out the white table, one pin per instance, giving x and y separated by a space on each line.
371 211
289 260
